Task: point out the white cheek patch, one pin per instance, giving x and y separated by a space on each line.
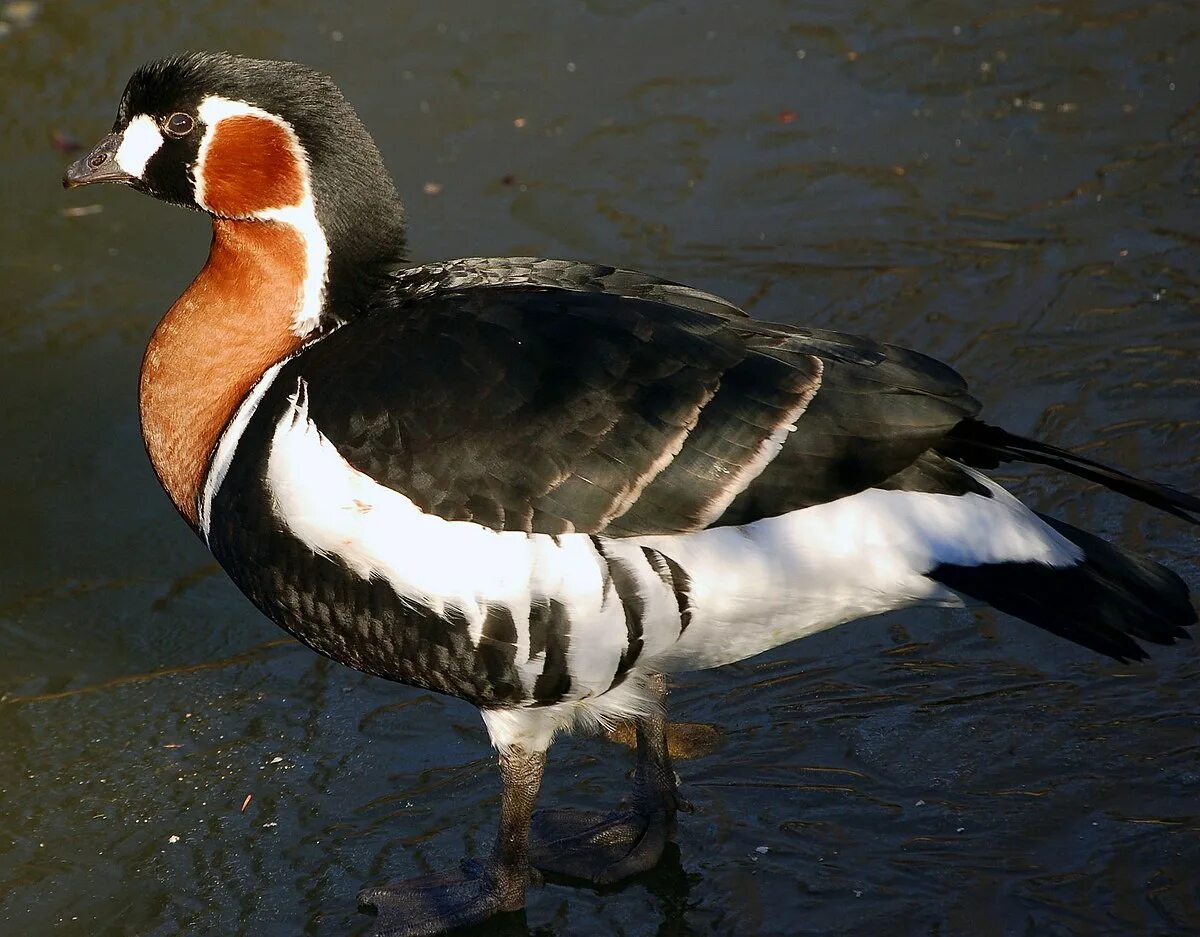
139 142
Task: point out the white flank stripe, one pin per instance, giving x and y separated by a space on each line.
752 587
139 142
437 564
767 583
301 216
227 445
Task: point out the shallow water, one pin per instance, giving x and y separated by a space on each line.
1010 186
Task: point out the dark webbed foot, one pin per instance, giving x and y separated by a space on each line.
434 904
606 848
600 848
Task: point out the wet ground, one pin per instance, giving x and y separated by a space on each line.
1010 186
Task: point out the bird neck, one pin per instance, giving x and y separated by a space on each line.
366 244
234 322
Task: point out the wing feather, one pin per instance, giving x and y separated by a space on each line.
550 397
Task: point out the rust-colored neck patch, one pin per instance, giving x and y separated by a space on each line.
251 164
215 342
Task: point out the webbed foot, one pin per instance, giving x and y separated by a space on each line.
434 904
600 848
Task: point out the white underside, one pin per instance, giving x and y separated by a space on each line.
753 587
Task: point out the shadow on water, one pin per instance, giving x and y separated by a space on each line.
667 887
1009 187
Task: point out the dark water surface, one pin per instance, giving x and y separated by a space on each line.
1011 186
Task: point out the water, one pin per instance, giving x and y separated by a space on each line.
1012 187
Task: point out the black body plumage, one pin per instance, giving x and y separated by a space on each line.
541 485
539 406
540 409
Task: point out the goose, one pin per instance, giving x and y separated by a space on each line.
543 486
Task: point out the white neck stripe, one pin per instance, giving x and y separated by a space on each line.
227 446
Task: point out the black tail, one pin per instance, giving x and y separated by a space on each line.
1103 602
983 446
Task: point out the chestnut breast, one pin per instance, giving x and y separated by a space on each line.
216 341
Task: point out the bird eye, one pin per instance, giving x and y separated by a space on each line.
179 125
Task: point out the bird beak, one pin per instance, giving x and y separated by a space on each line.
99 165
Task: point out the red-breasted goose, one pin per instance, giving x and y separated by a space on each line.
541 485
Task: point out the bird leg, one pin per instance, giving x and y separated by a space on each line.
604 848
433 904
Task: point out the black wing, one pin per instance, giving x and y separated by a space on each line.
554 410
540 273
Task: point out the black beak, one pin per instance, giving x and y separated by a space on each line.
100 165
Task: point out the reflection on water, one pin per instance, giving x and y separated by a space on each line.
1009 186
